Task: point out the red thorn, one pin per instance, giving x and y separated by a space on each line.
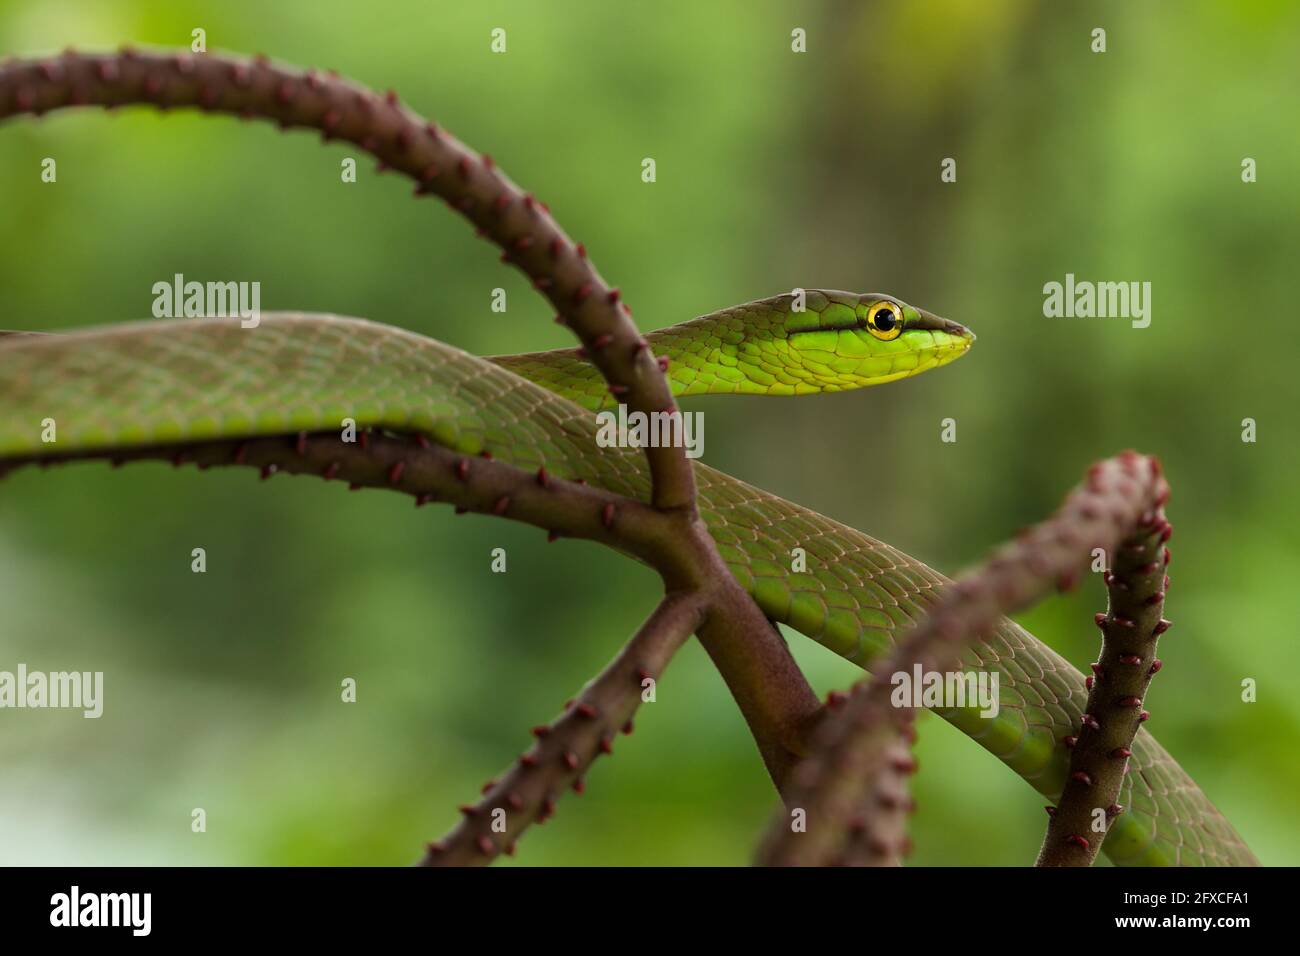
602 340
835 698
395 473
435 848
363 439
468 810
613 296
527 760
502 503
462 167
1156 665
1087 720
241 453
422 500
1167 533
905 764
1051 811
570 759
540 731
1168 557
462 469
1077 840
585 710
1129 701
516 802
485 846
487 786
501 202
523 242
354 486
1144 717
331 470
582 251
509 850
543 478
1130 659
1097 668
1154 598
543 282
555 247
1088 682
1115 809
627 728
1070 741
178 459
422 441
1099 618
1123 622
617 389
552 537
607 744
268 470
488 161
662 361
607 515
1121 753
485 455
579 786
431 129
390 97
1080 776
581 293
1161 626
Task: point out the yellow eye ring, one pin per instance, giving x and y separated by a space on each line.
885 321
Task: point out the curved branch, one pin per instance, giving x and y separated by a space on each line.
1099 754
402 141
567 747
412 465
854 746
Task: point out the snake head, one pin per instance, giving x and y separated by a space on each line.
844 340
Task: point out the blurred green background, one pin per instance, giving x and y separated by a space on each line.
775 170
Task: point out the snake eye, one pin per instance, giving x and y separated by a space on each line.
885 320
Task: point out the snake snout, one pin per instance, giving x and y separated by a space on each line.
935 323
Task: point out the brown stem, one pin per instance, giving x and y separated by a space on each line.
750 654
567 747
431 473
834 786
1099 752
402 141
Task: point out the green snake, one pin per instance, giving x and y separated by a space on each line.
180 382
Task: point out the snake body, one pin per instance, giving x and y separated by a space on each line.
178 382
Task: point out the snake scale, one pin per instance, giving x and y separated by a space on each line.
187 381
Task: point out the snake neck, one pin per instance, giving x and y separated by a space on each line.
741 350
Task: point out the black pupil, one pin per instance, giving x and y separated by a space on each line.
885 320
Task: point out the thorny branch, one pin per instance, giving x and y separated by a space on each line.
1099 753
567 747
850 788
753 660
